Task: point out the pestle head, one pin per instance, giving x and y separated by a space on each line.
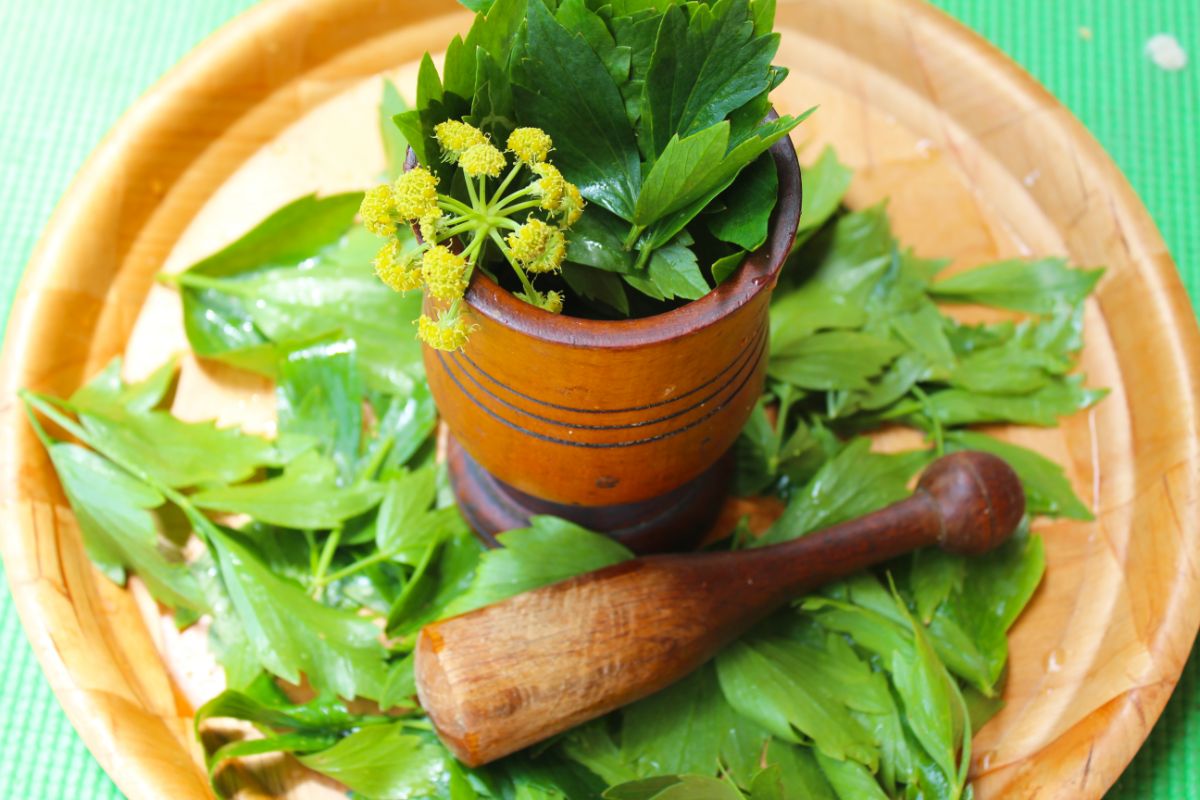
979 497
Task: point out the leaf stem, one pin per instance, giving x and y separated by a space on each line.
331 545
529 290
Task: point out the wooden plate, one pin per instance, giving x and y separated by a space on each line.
980 163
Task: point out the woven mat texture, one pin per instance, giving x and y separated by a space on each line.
69 68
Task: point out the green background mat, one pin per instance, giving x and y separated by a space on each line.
68 68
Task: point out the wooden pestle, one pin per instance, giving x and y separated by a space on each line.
505 676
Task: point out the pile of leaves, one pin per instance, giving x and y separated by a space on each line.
315 557
658 112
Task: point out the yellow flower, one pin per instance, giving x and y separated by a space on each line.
571 207
378 211
550 186
456 137
553 302
552 257
445 273
538 247
415 194
448 332
530 145
482 159
528 242
430 227
398 270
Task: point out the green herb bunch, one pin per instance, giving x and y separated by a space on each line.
317 555
658 112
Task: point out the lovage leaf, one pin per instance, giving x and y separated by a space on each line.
702 69
306 496
855 482
386 762
1039 287
748 205
119 532
564 88
292 634
318 395
548 551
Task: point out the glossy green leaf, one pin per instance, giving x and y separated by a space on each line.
565 89
748 204
306 496
385 762
119 531
1039 287
318 395
292 634
706 64
832 360
854 482
548 551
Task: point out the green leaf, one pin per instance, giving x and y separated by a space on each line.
1010 368
1047 489
676 787
306 496
119 532
395 146
672 273
564 88
318 396
725 266
694 169
444 581
849 779
174 453
1038 287
855 482
604 287
800 777
748 204
825 184
927 692
685 728
1043 407
702 69
759 678
108 389
242 316
384 762
548 551
405 424
406 498
597 240
299 231
292 634
935 574
832 360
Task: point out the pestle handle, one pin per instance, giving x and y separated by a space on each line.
505 676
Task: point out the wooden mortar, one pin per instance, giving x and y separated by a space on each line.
620 426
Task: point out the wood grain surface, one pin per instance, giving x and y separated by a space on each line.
979 162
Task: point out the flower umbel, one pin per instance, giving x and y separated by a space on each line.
445 273
482 159
530 145
398 270
415 194
448 332
477 221
378 211
456 137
